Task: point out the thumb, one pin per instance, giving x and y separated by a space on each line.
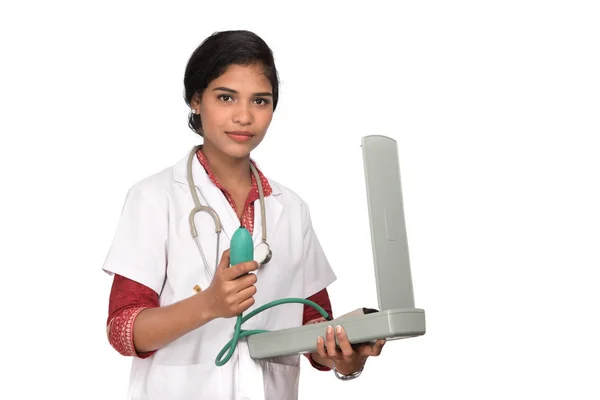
225 260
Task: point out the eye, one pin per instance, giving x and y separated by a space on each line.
225 97
262 102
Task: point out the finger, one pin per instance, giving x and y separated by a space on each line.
249 266
330 342
378 347
321 347
364 349
233 272
241 269
246 293
244 305
225 260
243 282
372 350
343 342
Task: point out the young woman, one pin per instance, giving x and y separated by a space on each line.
175 298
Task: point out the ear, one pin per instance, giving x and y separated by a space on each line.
196 100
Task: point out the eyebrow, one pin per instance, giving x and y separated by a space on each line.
225 89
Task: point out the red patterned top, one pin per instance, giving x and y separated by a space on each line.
128 298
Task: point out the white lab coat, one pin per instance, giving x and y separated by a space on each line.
153 237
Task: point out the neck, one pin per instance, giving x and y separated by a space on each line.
230 172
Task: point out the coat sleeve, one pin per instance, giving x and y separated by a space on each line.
139 247
127 299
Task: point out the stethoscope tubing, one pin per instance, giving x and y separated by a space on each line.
198 207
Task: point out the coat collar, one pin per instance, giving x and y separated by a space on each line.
210 194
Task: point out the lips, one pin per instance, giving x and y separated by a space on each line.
240 133
240 136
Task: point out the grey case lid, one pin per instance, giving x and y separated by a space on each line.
386 217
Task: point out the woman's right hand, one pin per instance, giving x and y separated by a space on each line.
232 289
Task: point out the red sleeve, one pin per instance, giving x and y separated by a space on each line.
311 315
127 299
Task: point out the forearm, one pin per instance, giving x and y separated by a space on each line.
155 327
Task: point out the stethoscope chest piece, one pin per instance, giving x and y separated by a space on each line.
262 253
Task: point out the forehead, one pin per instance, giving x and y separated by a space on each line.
243 78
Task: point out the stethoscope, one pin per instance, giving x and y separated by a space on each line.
262 251
262 254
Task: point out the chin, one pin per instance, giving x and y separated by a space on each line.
237 150
231 148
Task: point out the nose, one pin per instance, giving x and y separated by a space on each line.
243 115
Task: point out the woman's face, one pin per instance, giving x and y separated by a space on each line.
236 110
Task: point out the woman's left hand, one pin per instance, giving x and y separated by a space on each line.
348 358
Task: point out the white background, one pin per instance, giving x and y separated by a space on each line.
495 107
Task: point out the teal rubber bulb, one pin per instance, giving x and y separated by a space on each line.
242 247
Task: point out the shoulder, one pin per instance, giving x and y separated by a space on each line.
288 195
158 181
283 193
291 200
154 187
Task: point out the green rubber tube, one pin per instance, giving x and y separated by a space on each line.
242 250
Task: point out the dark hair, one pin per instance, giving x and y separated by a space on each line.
215 54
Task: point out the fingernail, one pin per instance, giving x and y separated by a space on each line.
338 329
330 329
